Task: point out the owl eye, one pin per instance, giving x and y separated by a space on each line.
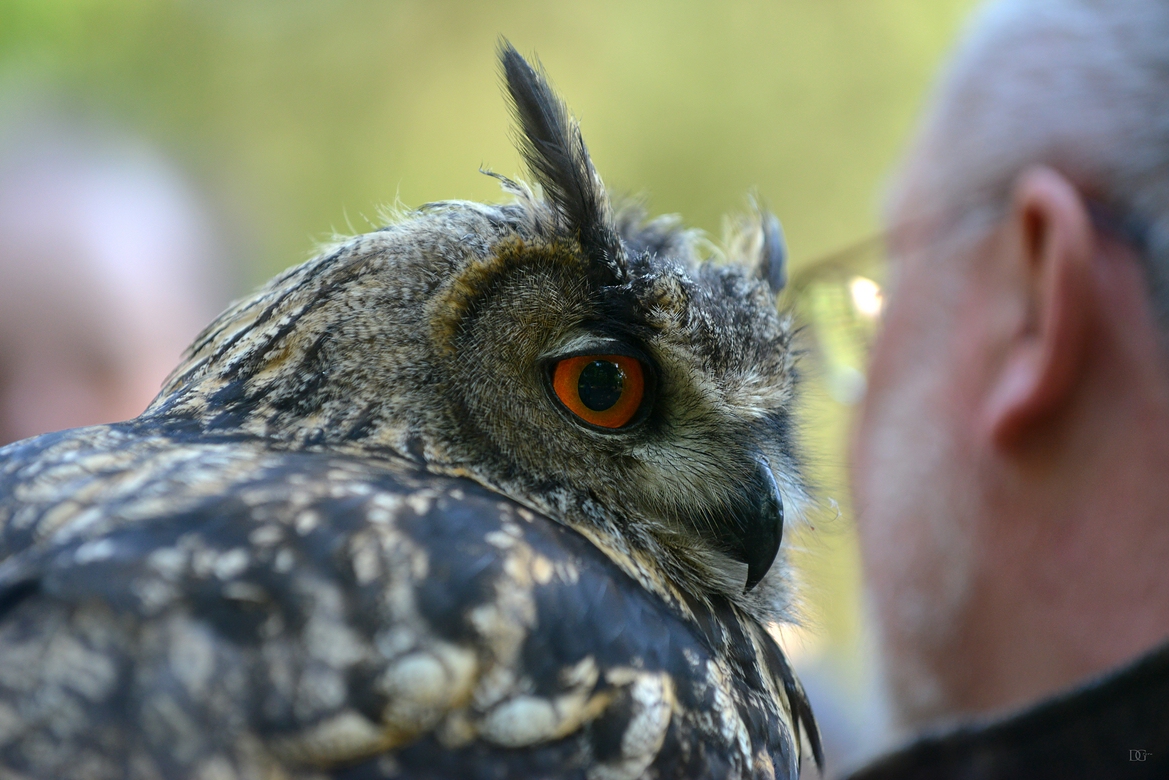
603 390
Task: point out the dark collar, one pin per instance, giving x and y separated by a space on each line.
1116 726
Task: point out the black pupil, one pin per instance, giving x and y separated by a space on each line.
600 385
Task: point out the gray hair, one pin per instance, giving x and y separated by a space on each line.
1080 85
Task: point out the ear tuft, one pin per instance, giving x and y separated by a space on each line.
772 265
552 147
755 241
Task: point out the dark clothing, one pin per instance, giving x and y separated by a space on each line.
1115 727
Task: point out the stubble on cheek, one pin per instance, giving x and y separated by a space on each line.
912 495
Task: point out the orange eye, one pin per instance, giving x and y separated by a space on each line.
604 390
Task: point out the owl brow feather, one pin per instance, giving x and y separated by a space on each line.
554 151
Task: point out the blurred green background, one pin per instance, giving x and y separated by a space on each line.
296 119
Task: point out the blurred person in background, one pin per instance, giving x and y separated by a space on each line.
1011 460
107 272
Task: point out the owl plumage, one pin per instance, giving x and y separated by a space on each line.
364 532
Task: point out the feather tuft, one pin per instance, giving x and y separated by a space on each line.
552 147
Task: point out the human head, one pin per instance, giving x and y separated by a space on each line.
107 272
1010 454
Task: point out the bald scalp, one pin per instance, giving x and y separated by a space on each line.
1079 85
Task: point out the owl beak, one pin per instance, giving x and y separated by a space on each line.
760 525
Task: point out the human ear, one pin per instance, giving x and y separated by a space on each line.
1049 241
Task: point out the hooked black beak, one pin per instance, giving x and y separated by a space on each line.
757 524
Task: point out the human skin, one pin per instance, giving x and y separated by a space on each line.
1009 459
107 272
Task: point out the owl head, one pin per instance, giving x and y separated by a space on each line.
589 364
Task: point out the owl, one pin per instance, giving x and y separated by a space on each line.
495 491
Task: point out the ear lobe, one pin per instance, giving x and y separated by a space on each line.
1050 242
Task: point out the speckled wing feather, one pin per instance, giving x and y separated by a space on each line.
174 606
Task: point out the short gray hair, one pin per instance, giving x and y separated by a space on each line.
1080 85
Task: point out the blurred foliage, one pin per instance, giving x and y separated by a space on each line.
302 118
